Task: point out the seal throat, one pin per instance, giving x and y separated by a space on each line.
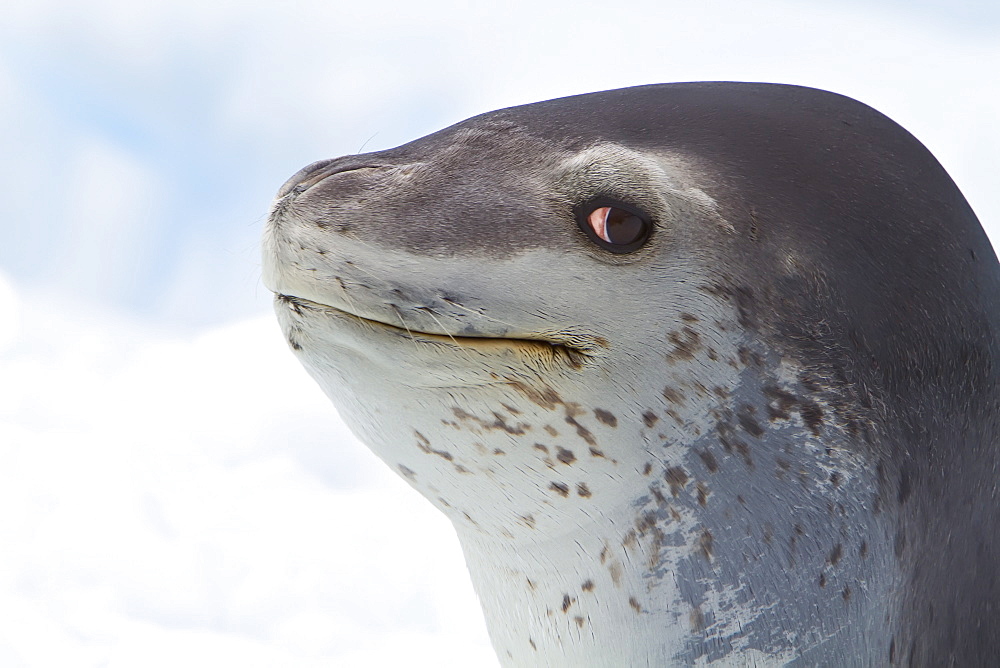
549 350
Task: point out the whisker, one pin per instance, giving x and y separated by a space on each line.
405 326
443 329
354 307
366 142
478 313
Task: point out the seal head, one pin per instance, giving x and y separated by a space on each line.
700 372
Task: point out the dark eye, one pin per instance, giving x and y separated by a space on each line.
616 227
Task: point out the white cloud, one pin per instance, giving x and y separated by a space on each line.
10 307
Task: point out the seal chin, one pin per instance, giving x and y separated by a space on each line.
571 351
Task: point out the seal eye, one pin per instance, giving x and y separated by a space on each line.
613 226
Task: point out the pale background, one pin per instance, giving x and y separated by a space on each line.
174 490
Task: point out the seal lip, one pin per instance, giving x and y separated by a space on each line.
583 210
575 356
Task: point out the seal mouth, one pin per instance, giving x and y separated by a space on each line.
575 355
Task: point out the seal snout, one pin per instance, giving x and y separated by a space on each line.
312 174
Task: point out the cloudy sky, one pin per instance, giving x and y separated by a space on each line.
176 490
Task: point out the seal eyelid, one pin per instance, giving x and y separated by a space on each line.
613 225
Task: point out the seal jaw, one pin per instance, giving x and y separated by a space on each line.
573 351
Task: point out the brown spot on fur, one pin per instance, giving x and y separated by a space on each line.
749 357
780 402
674 514
687 317
677 478
835 554
498 422
822 580
673 396
744 451
461 469
635 604
699 388
579 621
425 447
583 490
561 488
650 418
615 570
702 494
543 448
532 643
660 499
550 430
686 343
647 468
594 452
528 521
408 472
749 423
606 417
708 459
564 455
498 451
725 434
630 540
835 479
604 554
697 619
546 398
812 415
730 443
588 585
810 382
581 431
846 594
567 602
705 544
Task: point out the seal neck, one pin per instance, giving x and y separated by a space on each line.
575 600
768 569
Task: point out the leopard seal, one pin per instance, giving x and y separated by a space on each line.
702 373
